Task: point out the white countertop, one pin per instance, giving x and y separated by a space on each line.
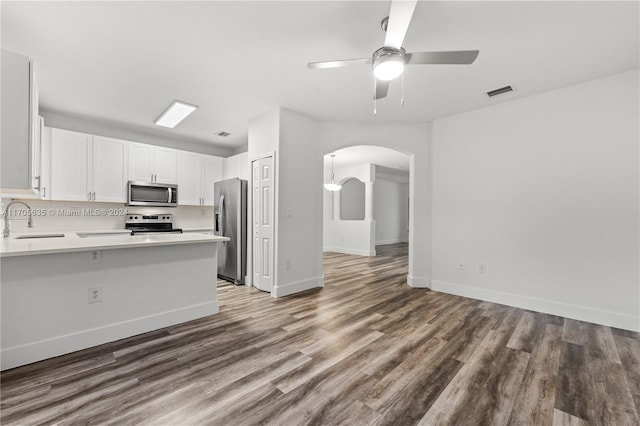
95 240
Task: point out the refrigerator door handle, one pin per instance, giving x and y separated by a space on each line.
220 215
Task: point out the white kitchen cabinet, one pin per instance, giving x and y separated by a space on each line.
87 168
196 175
69 165
20 148
148 163
108 160
213 172
190 178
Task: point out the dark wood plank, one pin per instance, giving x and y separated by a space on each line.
574 393
536 396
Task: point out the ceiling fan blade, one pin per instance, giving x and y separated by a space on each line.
399 19
454 57
382 87
338 64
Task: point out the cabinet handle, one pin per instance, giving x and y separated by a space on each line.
44 192
94 196
38 179
89 196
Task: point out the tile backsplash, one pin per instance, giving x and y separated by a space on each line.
82 216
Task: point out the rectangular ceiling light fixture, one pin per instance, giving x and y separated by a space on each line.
173 115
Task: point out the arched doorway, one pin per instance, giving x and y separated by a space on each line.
369 216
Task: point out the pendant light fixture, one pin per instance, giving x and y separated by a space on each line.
333 186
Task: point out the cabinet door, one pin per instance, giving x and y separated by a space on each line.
189 178
140 162
165 166
69 159
109 169
213 172
46 163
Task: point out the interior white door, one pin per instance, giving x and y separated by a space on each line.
263 198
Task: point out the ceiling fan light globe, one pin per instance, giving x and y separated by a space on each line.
388 70
332 187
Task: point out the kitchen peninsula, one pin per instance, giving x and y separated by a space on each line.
70 291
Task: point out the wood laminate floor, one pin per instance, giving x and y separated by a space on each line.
366 349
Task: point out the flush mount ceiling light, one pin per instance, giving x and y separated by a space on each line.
333 186
173 115
388 63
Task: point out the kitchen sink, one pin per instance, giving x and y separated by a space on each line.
31 236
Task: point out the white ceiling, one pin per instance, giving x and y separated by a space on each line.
126 61
386 157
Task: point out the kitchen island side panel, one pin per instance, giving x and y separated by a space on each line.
45 298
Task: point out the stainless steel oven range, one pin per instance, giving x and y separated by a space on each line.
141 224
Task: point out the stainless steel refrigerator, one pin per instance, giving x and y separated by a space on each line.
230 198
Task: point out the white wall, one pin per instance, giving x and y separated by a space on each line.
299 230
545 191
237 166
351 237
352 200
391 211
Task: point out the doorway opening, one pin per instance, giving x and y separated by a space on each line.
369 215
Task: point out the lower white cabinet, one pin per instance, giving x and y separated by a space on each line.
196 175
87 168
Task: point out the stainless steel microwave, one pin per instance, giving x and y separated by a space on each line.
152 194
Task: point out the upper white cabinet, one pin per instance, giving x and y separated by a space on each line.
196 174
69 165
189 178
108 161
148 163
213 172
20 148
87 168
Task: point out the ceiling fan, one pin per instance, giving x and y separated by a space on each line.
389 61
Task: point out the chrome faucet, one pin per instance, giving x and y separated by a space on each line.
6 232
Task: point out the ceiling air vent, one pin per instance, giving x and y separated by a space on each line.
223 133
499 91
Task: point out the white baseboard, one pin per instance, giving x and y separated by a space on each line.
351 251
582 313
419 282
60 345
281 290
392 241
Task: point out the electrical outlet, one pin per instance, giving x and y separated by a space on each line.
460 265
287 264
95 256
95 294
482 268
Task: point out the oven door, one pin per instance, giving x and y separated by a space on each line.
152 194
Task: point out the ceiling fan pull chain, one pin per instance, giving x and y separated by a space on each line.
402 97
